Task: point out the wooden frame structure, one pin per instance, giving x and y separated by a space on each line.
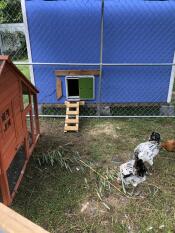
66 75
76 72
19 125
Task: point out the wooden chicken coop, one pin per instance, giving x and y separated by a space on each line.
19 127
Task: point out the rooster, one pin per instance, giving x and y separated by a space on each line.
169 145
146 151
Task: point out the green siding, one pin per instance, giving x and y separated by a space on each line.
86 88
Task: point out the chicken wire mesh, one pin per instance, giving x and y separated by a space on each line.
120 90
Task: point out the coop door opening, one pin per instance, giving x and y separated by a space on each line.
73 88
80 87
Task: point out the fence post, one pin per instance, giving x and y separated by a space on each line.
101 59
27 37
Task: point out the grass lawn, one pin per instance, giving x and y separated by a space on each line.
61 201
25 70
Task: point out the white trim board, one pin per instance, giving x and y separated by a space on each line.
171 84
12 27
26 31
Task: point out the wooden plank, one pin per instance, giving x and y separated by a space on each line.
5 94
36 114
17 103
71 121
8 155
70 105
72 112
5 189
71 128
4 58
59 88
71 101
76 72
2 67
14 222
82 103
18 123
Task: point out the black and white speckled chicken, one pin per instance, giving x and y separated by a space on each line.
147 151
132 172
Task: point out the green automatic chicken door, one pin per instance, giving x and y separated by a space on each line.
80 87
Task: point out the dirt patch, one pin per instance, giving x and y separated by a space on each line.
111 203
116 202
106 129
92 208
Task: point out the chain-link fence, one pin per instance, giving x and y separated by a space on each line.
12 36
128 47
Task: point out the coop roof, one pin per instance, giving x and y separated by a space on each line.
6 59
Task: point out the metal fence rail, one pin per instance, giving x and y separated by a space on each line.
92 64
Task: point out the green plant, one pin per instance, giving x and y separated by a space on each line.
60 157
10 11
105 185
15 44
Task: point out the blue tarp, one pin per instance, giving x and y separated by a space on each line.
135 31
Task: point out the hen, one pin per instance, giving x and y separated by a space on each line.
169 145
133 172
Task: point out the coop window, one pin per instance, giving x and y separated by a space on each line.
80 87
6 120
25 101
25 93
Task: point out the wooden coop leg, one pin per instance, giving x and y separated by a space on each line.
36 114
5 189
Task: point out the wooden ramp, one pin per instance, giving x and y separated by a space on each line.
72 115
11 222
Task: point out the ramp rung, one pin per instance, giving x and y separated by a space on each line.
71 128
72 105
73 102
71 121
68 112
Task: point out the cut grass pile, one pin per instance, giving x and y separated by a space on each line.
61 201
